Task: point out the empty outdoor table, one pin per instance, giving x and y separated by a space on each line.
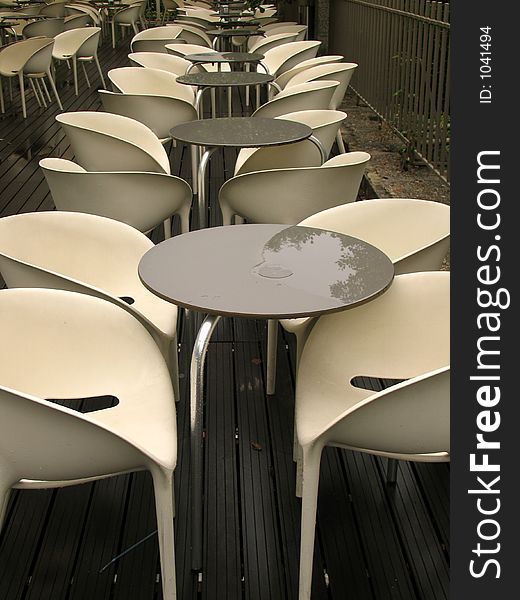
238 32
256 271
237 132
224 79
201 58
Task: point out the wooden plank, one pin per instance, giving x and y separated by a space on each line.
263 577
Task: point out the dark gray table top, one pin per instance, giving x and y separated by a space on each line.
266 271
238 31
241 132
225 57
225 79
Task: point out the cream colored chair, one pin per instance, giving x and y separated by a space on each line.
306 96
324 124
92 255
194 35
44 28
182 50
263 44
135 80
76 21
103 141
79 45
32 59
158 60
45 445
271 26
341 72
282 80
55 9
169 6
125 18
403 334
414 234
282 58
154 39
141 199
290 195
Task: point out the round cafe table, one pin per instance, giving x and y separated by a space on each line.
224 79
256 271
237 132
228 33
201 58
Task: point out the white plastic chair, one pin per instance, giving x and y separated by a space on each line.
290 195
282 58
55 9
341 72
154 39
414 234
182 50
282 80
79 45
129 16
45 27
169 6
32 59
324 124
92 255
403 334
141 199
194 35
306 96
271 26
135 80
158 60
107 142
263 44
43 444
75 21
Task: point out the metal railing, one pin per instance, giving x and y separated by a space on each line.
402 48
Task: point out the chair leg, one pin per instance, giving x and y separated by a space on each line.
100 72
173 362
164 507
75 73
2 105
54 90
22 94
272 343
167 225
391 470
4 499
85 73
46 90
113 27
36 95
311 477
340 142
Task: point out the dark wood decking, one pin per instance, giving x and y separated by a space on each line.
374 541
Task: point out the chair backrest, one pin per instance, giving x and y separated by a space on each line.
290 195
282 80
299 30
271 26
135 80
128 15
108 142
142 200
182 50
158 113
306 96
154 39
45 27
285 57
341 72
194 35
402 334
31 56
75 21
81 42
56 9
78 252
40 440
263 44
324 124
158 60
88 9
414 234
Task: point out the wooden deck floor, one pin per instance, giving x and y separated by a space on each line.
374 542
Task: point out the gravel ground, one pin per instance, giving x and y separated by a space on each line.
385 176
